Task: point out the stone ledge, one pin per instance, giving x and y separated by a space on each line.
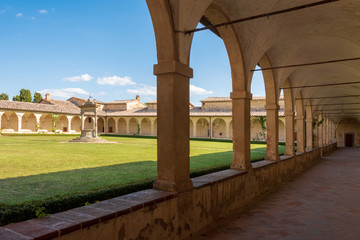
261 164
216 177
75 219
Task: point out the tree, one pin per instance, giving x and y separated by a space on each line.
16 98
4 96
37 97
25 95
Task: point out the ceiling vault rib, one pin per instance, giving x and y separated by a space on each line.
335 104
315 4
308 64
322 85
345 96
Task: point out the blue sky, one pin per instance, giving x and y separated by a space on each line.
102 48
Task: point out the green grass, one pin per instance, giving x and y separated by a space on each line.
38 167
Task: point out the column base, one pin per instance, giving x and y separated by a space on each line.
235 166
169 186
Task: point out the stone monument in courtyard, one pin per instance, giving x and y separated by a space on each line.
89 135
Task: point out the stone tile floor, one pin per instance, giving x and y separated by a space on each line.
321 203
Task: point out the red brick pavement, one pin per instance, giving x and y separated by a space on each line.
322 203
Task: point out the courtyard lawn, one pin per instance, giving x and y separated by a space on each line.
40 166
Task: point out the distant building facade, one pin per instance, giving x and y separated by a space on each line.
128 117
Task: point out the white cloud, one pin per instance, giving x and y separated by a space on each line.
82 78
42 11
199 91
115 81
19 15
145 90
65 92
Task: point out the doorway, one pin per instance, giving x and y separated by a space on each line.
349 140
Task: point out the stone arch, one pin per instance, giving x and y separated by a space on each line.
191 124
28 122
133 126
89 123
111 125
219 128
62 123
202 128
9 120
76 124
46 122
101 125
122 126
145 127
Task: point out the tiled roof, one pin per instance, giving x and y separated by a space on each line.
227 99
60 107
121 101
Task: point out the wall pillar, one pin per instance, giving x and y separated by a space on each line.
289 132
20 115
320 132
300 134
272 133
173 114
316 135
241 129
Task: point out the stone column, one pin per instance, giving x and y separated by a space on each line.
69 123
127 126
194 128
20 115
320 133
300 134
241 129
1 113
316 135
82 121
289 132
272 132
173 114
38 117
106 126
96 124
309 134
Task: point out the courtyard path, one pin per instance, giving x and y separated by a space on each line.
322 203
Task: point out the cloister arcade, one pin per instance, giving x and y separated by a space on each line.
200 127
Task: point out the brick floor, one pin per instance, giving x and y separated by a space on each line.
322 203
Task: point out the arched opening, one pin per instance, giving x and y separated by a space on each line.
28 122
202 128
134 126
155 127
76 124
89 123
145 127
46 122
191 128
111 125
257 132
219 128
9 122
101 125
122 126
62 123
281 131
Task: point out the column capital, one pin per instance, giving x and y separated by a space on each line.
300 118
241 95
173 67
272 107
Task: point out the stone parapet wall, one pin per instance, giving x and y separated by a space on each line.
153 214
